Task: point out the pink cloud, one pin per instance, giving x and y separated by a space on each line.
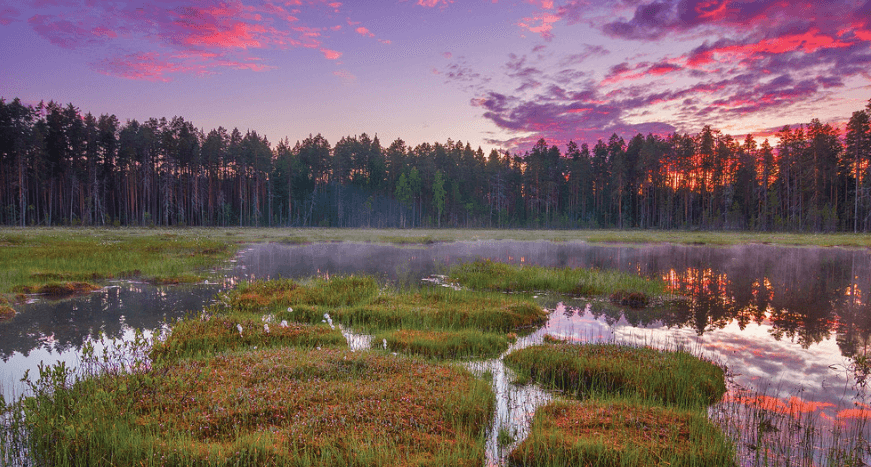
541 24
8 15
434 3
140 66
345 76
232 32
331 54
364 32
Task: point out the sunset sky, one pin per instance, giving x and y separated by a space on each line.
495 73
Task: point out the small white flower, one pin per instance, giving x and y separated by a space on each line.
384 342
266 328
318 348
284 323
289 310
239 328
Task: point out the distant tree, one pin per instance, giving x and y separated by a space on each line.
438 195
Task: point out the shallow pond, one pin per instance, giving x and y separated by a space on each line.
791 324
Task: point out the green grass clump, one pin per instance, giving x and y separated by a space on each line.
445 309
606 433
274 407
193 337
359 302
657 376
340 291
31 258
444 344
502 277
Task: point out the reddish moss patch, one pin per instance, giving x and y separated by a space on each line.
630 299
618 433
174 280
6 313
279 407
58 289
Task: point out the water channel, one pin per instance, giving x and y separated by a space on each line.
792 325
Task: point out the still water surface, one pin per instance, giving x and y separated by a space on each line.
789 323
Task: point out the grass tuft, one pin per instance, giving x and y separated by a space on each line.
444 344
502 277
197 338
595 370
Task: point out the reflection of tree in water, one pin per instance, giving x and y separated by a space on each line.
65 325
804 294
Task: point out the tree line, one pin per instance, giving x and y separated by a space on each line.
60 167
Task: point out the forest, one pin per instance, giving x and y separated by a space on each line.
61 167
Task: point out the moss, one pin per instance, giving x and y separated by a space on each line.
58 289
618 433
630 299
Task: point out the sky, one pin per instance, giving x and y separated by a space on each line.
494 73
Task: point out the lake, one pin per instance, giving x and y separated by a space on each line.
792 325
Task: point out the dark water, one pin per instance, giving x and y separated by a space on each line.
789 323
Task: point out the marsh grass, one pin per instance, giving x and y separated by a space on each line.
619 432
360 303
400 240
789 431
444 344
268 407
675 378
202 337
33 258
502 277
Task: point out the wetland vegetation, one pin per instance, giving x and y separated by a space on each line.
210 361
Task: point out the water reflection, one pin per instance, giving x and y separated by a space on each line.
804 295
52 331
